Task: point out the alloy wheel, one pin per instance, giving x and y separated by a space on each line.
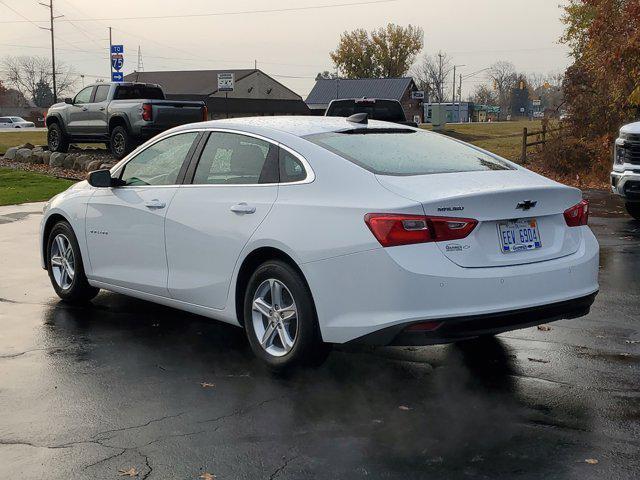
275 317
118 143
62 261
54 139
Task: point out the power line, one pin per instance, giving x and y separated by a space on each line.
220 14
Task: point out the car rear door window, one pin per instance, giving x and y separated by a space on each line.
160 163
102 93
231 158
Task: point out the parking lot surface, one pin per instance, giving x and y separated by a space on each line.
125 385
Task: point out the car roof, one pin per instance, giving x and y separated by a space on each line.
299 126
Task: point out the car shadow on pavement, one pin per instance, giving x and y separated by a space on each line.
409 411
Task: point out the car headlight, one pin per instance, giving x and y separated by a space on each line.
618 154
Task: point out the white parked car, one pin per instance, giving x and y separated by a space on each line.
625 176
15 122
308 231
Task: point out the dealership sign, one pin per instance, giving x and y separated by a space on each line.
225 82
417 95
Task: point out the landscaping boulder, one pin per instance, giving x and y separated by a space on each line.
25 145
57 159
94 165
68 161
80 163
45 156
10 154
23 154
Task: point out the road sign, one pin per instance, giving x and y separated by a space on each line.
225 82
117 61
117 49
417 95
537 102
117 77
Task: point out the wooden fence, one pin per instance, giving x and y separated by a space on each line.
541 138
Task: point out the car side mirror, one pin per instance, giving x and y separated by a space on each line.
69 101
103 179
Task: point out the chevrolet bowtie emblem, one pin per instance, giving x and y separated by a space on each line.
526 205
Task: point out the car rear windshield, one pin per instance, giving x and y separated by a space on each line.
406 152
386 110
132 92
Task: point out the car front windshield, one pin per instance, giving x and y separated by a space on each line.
17 119
406 152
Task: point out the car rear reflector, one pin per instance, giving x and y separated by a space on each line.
396 229
578 214
423 327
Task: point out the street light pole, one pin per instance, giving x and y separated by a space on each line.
53 47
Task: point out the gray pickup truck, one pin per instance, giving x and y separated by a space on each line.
121 115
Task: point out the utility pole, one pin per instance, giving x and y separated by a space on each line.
440 79
453 92
255 64
53 47
460 99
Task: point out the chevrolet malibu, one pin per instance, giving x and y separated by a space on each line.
308 231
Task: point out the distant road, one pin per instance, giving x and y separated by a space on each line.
16 130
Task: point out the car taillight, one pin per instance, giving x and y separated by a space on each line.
395 229
578 214
147 112
205 113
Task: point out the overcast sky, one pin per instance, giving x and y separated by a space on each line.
292 46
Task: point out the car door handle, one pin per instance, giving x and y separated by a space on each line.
243 208
85 109
102 109
155 203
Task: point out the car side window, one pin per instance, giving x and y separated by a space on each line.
291 169
231 158
84 95
160 163
5 120
102 92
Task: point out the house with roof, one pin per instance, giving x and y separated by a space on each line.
255 93
327 89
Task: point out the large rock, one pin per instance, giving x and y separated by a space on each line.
26 145
69 160
23 154
94 165
10 154
81 162
45 156
57 159
35 156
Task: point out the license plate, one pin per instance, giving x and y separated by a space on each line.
519 235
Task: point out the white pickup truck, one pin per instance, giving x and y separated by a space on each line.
625 177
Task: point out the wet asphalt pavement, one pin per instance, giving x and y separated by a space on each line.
88 391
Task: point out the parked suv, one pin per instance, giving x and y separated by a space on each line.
375 108
122 115
625 177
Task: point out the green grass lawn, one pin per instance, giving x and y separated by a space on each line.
18 186
501 138
14 138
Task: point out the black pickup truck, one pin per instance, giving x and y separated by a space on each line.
122 115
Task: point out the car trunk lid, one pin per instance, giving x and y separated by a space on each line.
497 200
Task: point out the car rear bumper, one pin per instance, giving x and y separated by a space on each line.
363 293
461 328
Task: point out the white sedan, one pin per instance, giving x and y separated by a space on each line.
308 231
15 122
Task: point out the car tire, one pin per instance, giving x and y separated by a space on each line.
56 139
120 143
633 209
65 267
303 344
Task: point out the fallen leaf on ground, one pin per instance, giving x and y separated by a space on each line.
538 360
632 342
404 407
377 420
132 472
591 461
544 328
207 476
207 385
600 336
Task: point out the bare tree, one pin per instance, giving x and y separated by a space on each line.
431 74
483 95
504 77
28 75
